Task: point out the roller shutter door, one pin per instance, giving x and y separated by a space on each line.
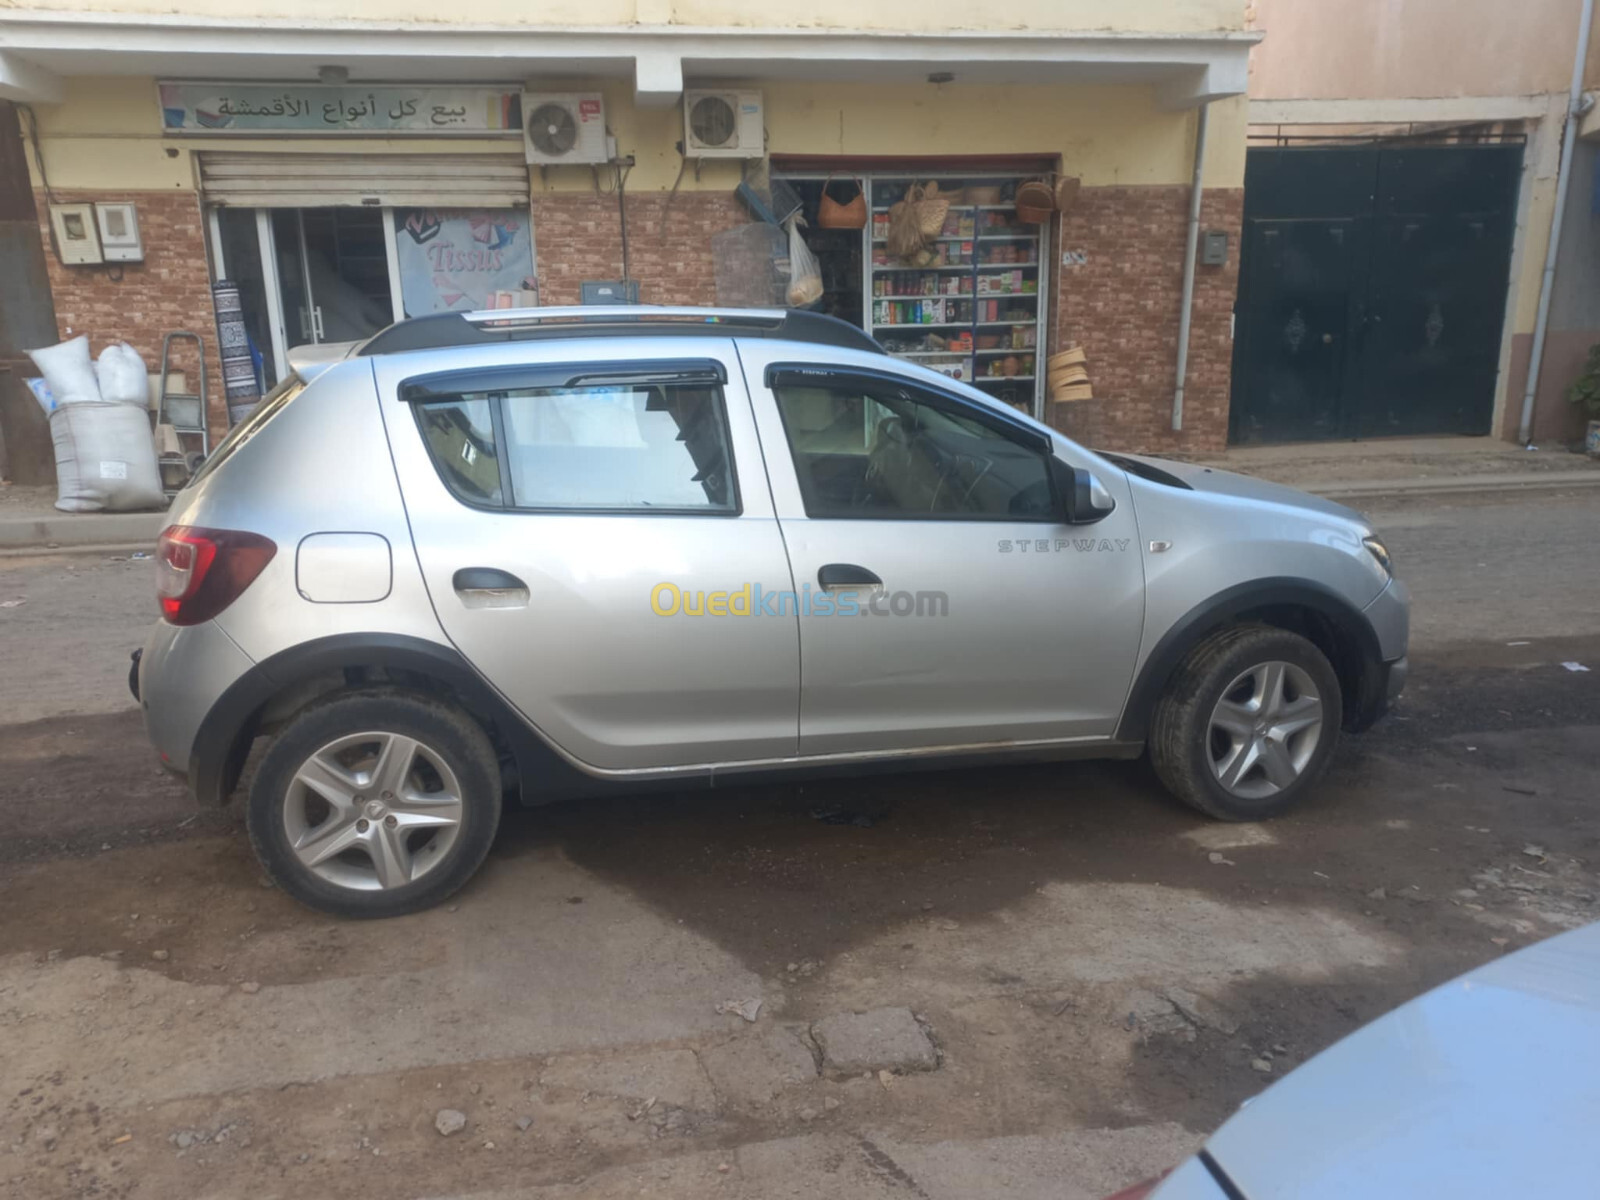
369 180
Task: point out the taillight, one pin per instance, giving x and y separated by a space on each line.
199 572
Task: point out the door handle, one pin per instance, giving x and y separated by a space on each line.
846 575
489 587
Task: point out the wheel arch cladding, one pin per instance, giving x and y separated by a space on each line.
1320 615
277 687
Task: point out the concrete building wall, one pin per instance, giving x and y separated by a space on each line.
1170 16
1574 324
1393 49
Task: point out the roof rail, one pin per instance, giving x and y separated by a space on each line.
441 330
626 313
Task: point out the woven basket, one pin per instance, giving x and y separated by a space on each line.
1066 192
1068 377
931 209
1035 202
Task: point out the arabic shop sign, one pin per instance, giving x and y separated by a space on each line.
276 108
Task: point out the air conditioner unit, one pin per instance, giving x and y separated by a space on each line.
723 125
558 130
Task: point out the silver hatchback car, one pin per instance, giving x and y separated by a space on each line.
554 551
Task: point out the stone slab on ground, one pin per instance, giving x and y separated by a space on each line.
883 1039
754 1070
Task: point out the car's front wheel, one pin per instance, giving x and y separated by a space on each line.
1247 724
375 803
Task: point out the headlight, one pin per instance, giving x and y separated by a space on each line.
1379 551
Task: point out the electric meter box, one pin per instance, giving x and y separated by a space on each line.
77 234
119 232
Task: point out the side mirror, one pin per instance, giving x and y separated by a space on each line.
1084 499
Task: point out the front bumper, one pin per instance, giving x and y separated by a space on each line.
1389 614
1396 681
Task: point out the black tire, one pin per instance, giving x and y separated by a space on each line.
1181 739
455 738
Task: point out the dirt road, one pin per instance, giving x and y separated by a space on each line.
1097 968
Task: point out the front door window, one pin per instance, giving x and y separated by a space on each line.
863 450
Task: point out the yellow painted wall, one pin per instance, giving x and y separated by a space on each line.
1143 16
107 134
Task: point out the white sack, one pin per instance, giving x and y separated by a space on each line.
105 459
121 375
69 371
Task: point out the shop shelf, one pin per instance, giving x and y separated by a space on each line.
1033 242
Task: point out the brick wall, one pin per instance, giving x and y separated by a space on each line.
1122 305
578 237
140 303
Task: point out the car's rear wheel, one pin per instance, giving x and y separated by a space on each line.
1247 724
375 803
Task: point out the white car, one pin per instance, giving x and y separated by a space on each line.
1486 1088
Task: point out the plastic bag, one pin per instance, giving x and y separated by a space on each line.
42 393
105 459
121 375
805 272
69 371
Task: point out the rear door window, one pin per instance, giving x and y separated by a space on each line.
639 446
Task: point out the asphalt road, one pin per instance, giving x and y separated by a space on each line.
169 1026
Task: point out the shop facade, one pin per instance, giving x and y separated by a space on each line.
335 200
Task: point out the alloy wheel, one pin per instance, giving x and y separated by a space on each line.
372 811
1265 729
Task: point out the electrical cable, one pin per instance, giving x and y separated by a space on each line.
38 149
672 195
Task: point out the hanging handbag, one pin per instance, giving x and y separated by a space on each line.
833 215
